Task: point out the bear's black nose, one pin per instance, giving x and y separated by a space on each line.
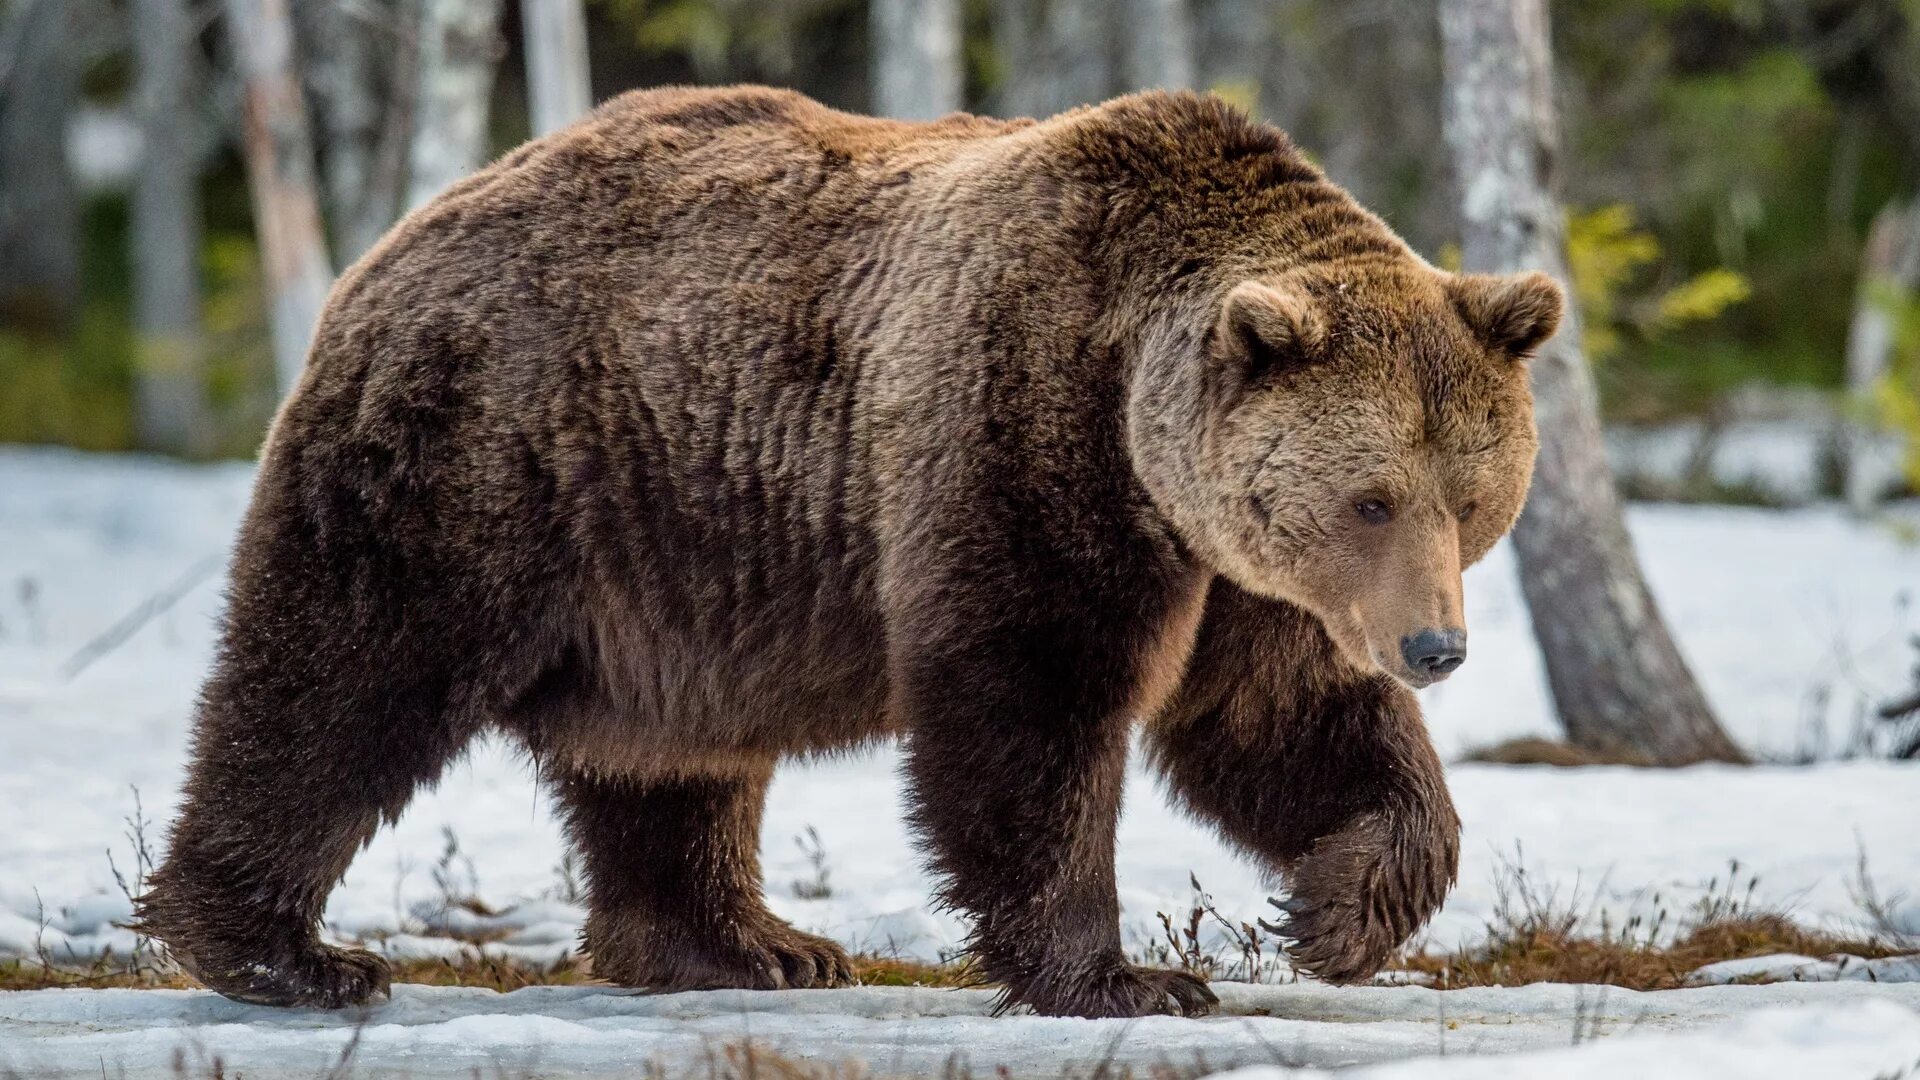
1435 652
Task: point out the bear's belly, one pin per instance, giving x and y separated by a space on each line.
653 697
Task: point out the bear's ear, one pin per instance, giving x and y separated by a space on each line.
1514 314
1264 329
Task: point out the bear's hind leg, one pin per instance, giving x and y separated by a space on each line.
674 892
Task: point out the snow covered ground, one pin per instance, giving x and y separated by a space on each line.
1831 1030
1794 620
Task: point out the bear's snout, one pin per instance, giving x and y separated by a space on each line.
1434 654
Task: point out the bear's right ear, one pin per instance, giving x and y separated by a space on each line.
1264 329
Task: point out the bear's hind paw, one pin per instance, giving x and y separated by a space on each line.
1124 991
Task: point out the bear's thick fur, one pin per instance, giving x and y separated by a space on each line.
723 427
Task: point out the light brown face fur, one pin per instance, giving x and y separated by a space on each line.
1369 434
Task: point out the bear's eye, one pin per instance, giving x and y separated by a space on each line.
1466 512
1374 511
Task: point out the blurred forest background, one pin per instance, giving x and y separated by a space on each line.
1740 175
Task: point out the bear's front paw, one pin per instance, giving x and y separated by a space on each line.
1121 990
1362 891
317 977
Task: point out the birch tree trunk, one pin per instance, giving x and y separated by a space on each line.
459 46
1157 38
559 84
1059 54
1618 681
170 403
1889 278
39 198
280 173
917 72
359 75
1234 47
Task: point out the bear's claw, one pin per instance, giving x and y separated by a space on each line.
1361 892
1123 991
771 957
322 977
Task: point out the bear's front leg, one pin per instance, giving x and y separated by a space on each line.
1015 758
1324 773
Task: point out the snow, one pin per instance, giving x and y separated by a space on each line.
1792 967
913 1032
1874 1039
1793 619
1784 459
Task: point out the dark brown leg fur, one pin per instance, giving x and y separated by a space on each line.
346 681
673 876
1016 760
1325 774
319 723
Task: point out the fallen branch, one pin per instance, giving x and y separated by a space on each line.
130 624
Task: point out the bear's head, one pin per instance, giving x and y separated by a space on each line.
1348 439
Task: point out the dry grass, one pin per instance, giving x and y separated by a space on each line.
1549 752
1517 956
475 969
1536 936
1540 947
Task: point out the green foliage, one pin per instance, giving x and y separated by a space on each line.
76 389
1240 93
727 40
1609 258
72 390
698 28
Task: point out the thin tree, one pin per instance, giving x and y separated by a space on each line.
916 58
1157 45
1889 280
39 197
459 48
1619 682
170 401
1059 54
280 174
559 84
357 63
1235 50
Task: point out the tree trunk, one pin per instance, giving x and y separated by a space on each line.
280 173
1158 45
1016 32
1059 54
1889 278
359 75
916 58
1235 50
459 46
170 403
1618 681
39 198
559 87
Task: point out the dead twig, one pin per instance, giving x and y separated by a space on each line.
130 624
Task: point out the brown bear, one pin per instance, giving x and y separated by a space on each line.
723 428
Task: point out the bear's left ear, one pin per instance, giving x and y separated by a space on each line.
1264 329
1513 314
